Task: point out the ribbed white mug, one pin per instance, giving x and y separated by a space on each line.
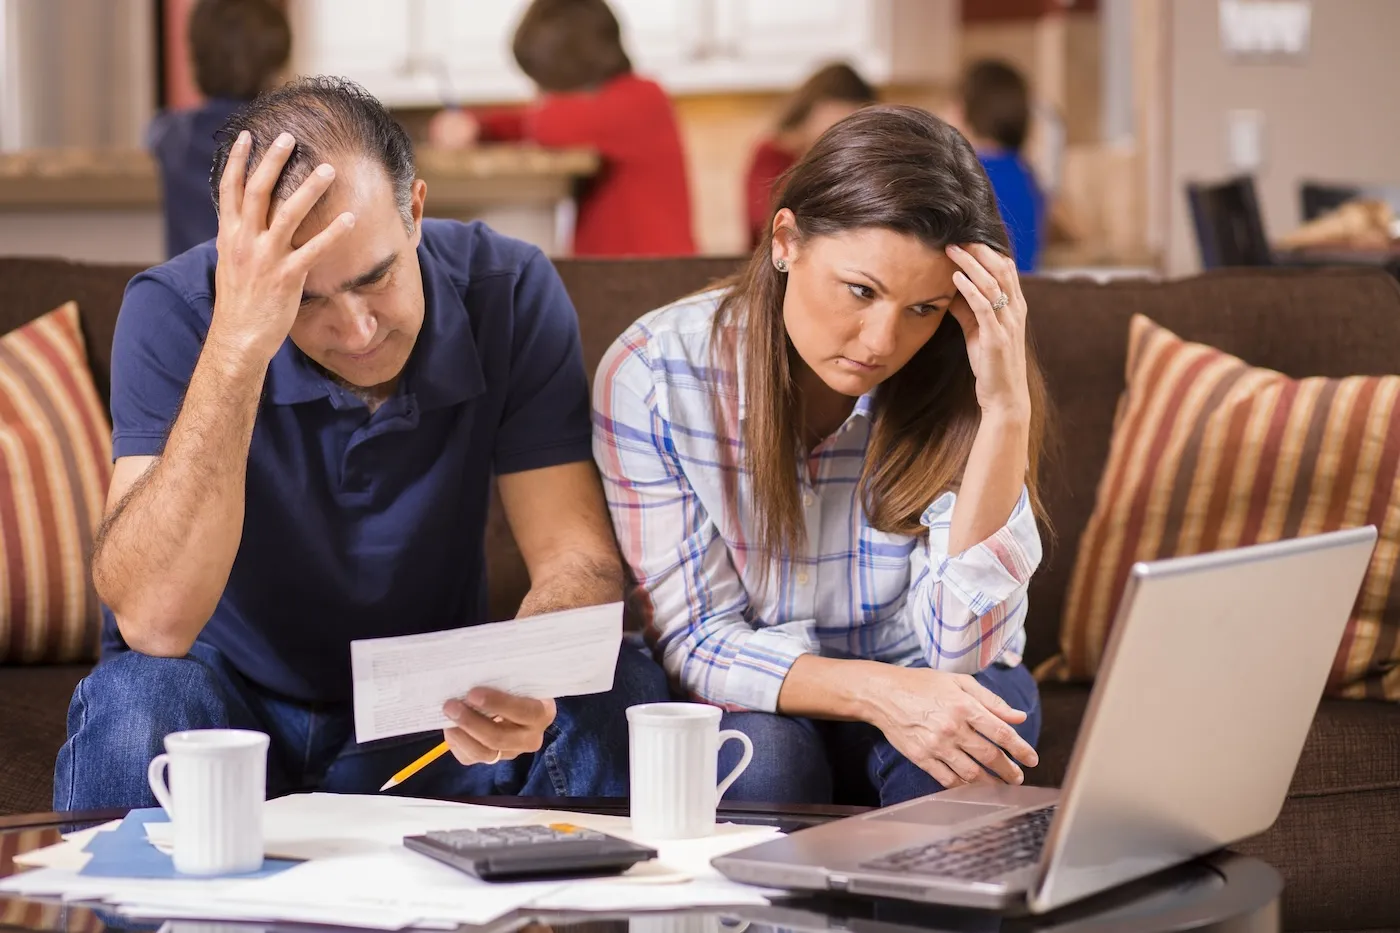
674 749
218 781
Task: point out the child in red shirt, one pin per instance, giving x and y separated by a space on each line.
639 203
827 97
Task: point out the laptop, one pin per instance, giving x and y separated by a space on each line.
1210 681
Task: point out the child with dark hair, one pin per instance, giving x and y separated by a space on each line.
237 48
831 94
995 118
639 204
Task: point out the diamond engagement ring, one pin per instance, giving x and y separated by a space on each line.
1001 302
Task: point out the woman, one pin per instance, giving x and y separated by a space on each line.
831 94
823 477
639 203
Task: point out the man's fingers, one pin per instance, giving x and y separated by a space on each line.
310 252
522 710
469 751
993 759
257 195
290 213
231 181
492 732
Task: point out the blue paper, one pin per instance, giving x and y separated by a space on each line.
124 853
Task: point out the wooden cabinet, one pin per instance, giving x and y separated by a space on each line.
427 52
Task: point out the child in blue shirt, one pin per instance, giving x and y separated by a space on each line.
995 118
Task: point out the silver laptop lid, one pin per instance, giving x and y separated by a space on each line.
1209 684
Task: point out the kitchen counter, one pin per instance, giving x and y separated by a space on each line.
121 179
105 205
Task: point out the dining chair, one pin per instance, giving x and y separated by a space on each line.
1229 224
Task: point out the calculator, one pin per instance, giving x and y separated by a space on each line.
518 853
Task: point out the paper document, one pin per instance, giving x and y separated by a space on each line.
400 683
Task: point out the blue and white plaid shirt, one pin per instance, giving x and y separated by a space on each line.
684 523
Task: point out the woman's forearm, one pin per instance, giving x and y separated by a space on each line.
993 480
828 688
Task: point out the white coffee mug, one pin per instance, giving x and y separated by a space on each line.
674 751
218 781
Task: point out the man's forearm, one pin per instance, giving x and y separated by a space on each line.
164 552
574 581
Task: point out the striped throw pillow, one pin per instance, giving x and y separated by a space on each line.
1208 453
55 463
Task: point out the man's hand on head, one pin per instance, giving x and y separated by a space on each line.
259 278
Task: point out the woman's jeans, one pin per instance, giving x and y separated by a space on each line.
813 761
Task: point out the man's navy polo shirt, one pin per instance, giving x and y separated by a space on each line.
361 525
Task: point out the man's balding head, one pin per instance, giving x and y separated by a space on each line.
332 120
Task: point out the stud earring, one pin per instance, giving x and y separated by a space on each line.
780 265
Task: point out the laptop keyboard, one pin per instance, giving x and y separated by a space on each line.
983 854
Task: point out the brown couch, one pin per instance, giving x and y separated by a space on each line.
1338 840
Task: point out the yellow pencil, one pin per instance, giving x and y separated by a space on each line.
431 756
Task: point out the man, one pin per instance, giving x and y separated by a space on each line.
307 414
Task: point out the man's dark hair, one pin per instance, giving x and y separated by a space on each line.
327 117
237 46
996 103
570 45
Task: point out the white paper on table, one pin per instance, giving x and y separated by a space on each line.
83 836
71 886
68 854
400 683
394 881
313 914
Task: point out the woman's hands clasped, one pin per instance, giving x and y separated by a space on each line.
996 336
950 725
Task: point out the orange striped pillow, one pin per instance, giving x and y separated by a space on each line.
1210 453
55 463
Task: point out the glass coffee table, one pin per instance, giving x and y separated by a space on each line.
1222 892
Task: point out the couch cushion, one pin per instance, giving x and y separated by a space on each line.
1338 838
33 711
55 462
1210 453
608 294
32 287
1301 322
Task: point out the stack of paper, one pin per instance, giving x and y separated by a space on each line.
353 869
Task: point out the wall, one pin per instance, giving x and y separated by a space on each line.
77 73
1329 116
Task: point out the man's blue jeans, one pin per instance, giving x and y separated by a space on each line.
122 711
811 761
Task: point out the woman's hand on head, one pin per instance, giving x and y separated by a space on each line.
950 725
996 339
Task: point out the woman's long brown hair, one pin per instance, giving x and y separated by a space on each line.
899 169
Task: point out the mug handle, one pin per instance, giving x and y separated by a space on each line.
733 776
155 776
